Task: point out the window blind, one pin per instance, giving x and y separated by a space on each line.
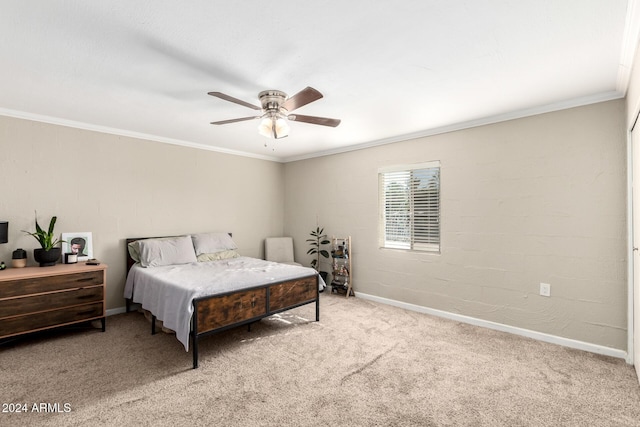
410 207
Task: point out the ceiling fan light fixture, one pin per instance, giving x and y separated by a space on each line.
264 128
282 127
274 127
276 109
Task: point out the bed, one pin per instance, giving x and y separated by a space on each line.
198 285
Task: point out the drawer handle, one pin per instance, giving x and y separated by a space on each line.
86 296
85 279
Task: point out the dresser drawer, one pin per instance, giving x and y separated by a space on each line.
27 323
50 301
34 285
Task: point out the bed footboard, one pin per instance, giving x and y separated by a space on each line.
217 313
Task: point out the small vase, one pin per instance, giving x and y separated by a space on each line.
47 258
19 258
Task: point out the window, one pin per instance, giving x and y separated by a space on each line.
410 206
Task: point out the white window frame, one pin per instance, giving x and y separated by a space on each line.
413 242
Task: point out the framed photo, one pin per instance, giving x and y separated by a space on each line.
78 243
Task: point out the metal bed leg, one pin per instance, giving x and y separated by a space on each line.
153 324
195 352
194 333
104 324
317 298
251 323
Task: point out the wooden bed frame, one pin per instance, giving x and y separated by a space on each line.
219 312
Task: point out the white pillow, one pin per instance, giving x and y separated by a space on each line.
159 252
208 243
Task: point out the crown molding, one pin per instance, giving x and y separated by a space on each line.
130 134
549 108
563 105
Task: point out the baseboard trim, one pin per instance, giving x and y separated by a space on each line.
540 336
114 311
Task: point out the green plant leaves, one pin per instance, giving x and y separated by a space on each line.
52 224
318 240
45 238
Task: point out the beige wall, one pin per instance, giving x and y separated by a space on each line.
118 187
539 199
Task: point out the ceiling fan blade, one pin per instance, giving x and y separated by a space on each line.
314 120
304 97
234 100
242 119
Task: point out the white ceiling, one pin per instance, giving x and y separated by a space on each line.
388 69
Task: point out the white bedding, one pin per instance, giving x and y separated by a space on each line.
168 291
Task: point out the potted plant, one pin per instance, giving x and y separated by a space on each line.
319 239
48 254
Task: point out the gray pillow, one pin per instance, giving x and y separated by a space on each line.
208 243
171 251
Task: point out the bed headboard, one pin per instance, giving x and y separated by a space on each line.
128 240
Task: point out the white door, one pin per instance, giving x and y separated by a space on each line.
635 148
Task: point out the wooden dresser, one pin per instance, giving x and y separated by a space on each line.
38 298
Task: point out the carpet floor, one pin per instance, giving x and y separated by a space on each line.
363 364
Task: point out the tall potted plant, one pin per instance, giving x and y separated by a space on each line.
319 239
48 254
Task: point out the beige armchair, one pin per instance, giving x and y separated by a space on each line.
279 249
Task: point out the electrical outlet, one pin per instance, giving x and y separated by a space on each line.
545 289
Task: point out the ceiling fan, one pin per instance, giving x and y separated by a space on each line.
276 109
